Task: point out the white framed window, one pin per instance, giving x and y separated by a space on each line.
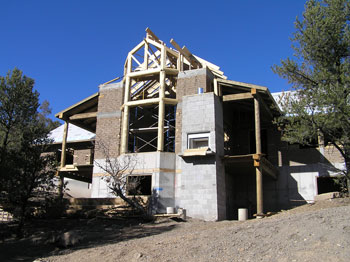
199 140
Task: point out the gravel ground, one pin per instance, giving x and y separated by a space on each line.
319 232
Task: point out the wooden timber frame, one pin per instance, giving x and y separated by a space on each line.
82 114
260 95
160 65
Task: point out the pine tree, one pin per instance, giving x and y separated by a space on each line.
24 128
320 75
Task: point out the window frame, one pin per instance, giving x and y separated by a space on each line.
197 136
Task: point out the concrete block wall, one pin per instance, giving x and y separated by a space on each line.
200 185
299 169
188 83
160 165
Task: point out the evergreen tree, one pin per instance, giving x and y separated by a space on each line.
24 126
320 74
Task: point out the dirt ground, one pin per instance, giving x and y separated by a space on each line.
318 232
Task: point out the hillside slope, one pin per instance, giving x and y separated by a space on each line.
319 232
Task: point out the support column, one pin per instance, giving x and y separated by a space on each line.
259 178
63 158
125 125
161 112
64 144
145 56
125 130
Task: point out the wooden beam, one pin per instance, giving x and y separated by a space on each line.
171 71
177 47
172 52
137 48
150 33
259 192
129 64
161 112
216 91
143 102
193 61
137 61
257 126
238 158
266 108
147 72
64 144
156 44
187 52
210 65
246 85
153 57
170 101
127 89
80 106
258 171
125 124
125 130
83 116
145 56
268 168
179 64
236 97
163 59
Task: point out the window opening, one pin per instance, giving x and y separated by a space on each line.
138 185
328 184
198 141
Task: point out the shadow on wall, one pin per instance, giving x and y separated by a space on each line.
296 184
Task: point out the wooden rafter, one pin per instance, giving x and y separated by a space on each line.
186 53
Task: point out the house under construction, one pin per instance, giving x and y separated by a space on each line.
199 141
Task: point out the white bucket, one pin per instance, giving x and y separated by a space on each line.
170 210
242 214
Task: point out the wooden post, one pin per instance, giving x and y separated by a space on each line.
163 57
145 56
259 178
64 144
125 130
216 92
125 126
259 191
161 112
63 158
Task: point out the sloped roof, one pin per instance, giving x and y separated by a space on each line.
75 134
83 113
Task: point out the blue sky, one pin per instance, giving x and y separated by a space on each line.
70 47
